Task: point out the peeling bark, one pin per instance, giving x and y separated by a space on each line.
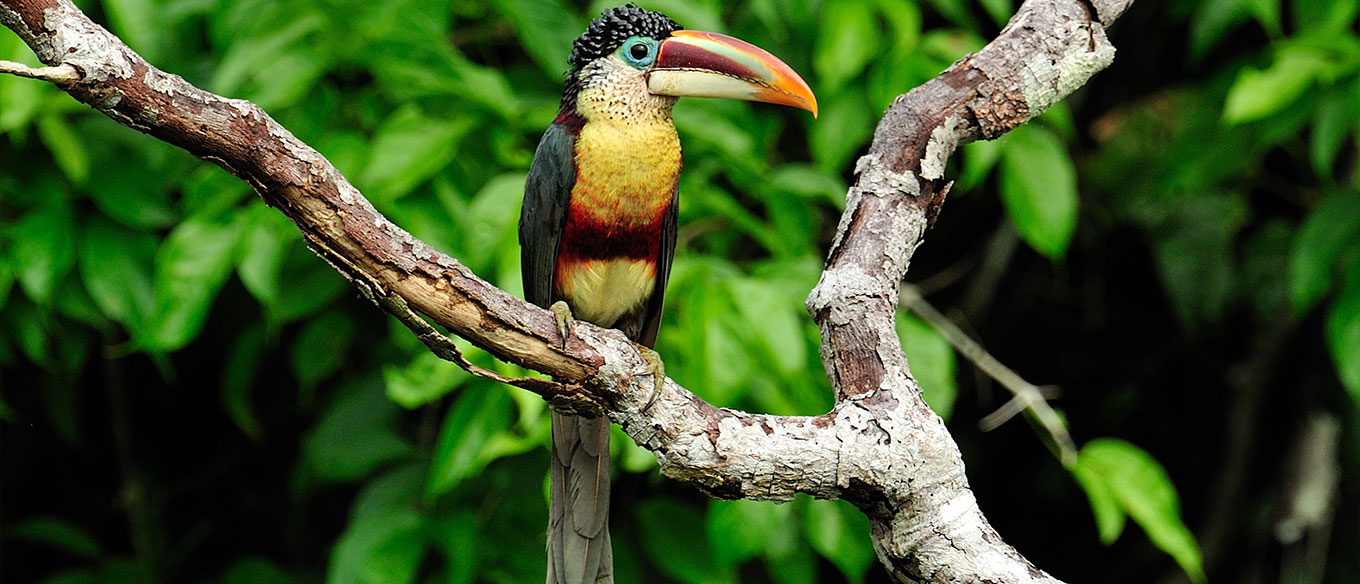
880 447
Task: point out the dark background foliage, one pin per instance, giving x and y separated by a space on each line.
189 395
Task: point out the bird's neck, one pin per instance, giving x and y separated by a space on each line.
627 156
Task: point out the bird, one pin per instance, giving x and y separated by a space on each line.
598 223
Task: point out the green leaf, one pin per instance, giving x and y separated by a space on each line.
931 359
239 370
848 39
44 249
797 567
1000 10
355 435
810 182
459 538
1039 189
256 571
718 126
1267 13
312 286
1258 93
490 224
692 15
267 238
674 537
1212 22
210 191
1332 125
788 558
1324 16
546 28
1343 331
408 149
1109 515
116 264
773 321
462 449
20 99
843 130
26 326
396 488
415 70
741 529
903 19
347 150
128 189
979 158
1144 492
251 58
841 534
139 24
192 264
383 548
728 365
425 379
947 46
322 347
6 279
58 534
1330 229
958 12
67 148
1058 118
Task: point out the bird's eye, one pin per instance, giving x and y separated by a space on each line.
639 51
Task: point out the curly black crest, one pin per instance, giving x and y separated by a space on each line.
607 33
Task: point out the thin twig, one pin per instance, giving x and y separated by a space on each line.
1027 395
64 74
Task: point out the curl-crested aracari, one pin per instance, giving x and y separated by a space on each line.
597 230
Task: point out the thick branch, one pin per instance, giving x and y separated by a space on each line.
1049 49
880 447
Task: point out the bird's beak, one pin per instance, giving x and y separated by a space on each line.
707 64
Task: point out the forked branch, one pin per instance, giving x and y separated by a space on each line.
880 447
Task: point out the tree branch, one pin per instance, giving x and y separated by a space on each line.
60 75
880 447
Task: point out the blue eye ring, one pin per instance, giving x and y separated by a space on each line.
638 51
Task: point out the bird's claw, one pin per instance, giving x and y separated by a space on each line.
564 318
658 371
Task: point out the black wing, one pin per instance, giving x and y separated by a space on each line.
547 191
651 318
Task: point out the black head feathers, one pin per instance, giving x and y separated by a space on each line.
607 33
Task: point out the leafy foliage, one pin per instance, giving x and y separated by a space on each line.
1124 480
194 396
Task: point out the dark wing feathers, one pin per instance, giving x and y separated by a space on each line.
651 316
547 191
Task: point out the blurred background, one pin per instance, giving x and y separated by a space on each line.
189 395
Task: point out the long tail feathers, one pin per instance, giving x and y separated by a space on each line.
578 510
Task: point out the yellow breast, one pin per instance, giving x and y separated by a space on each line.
627 162
602 291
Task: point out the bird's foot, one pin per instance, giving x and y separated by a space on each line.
564 318
658 371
